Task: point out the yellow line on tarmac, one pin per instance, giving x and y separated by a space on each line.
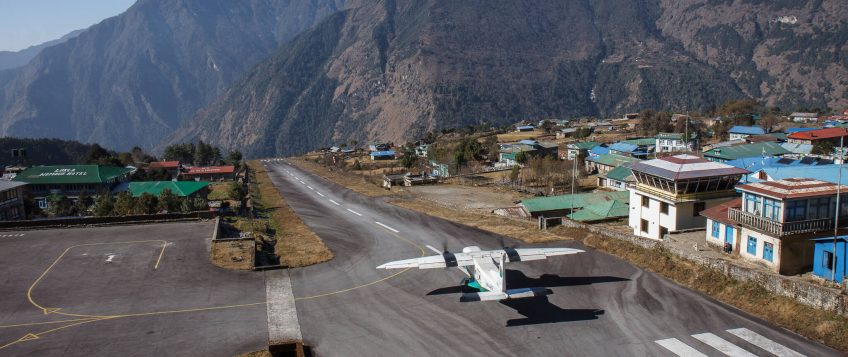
164 244
38 335
398 236
34 284
46 323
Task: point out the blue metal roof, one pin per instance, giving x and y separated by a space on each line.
748 130
828 173
799 130
756 163
624 147
383 153
599 150
525 127
528 142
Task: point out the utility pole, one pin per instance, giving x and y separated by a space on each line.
573 177
838 194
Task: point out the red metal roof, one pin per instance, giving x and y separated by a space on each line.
819 134
719 213
684 166
164 165
791 188
198 170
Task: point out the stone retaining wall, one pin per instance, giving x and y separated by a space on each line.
804 292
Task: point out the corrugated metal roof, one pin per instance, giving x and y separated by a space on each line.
791 188
804 149
757 163
749 150
748 130
685 167
599 150
601 211
8 185
79 174
828 133
564 202
798 130
383 153
829 173
612 159
624 147
621 173
155 188
641 141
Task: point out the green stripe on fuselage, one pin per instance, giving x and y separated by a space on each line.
471 283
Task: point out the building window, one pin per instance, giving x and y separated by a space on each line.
771 208
752 204
644 227
663 207
699 206
716 229
768 251
42 204
752 246
827 260
796 210
819 207
646 202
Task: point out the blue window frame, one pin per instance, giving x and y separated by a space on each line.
715 231
771 209
752 203
768 251
796 210
752 246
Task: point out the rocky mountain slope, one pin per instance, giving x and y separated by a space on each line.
132 79
15 59
395 69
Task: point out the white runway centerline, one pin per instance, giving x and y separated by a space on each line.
310 187
679 348
387 227
335 203
764 343
354 212
319 193
722 345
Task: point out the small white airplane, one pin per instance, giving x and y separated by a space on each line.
485 269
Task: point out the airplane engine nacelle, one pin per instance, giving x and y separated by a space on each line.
470 249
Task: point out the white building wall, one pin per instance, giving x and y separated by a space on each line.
761 238
736 136
722 235
681 215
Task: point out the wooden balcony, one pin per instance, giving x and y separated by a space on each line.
778 229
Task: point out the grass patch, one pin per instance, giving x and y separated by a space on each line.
296 244
237 255
219 191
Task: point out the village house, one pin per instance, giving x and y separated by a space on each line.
606 163
804 117
618 179
670 192
208 173
378 146
813 137
382 155
628 149
728 153
774 222
69 181
12 200
675 142
574 150
743 132
171 167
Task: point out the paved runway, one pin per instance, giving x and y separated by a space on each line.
602 306
146 290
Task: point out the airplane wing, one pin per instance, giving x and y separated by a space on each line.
431 262
525 254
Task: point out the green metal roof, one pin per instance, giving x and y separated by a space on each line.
747 150
601 211
554 203
583 145
781 136
71 174
640 141
612 159
621 173
179 188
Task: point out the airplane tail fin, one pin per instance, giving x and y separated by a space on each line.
507 295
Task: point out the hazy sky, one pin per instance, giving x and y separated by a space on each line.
24 23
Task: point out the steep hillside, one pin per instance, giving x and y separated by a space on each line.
15 59
400 68
132 79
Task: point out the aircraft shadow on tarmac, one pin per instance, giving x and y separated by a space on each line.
540 310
